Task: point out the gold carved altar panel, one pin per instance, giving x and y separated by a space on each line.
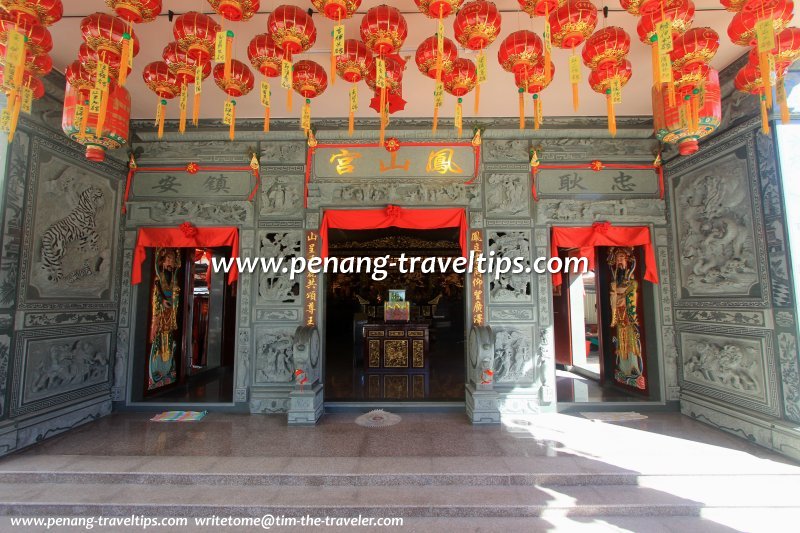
396 346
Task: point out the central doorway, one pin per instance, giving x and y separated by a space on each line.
374 354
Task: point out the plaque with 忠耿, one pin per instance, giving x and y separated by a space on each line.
597 185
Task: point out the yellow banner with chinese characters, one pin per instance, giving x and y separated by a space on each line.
266 94
765 35
354 98
27 100
95 98
616 90
664 36
184 99
481 68
574 69
220 43
438 95
198 80
380 73
286 74
665 68
338 40
102 78
227 113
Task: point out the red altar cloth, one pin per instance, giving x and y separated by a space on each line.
184 237
394 216
604 234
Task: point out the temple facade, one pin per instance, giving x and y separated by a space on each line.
717 334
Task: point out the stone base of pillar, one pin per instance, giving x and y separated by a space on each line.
482 405
305 407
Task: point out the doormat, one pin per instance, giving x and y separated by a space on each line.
179 416
627 416
378 419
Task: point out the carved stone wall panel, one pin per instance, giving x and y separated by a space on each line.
281 196
125 288
721 259
509 287
512 314
120 364
67 318
233 213
58 365
5 356
508 195
583 150
738 317
623 212
182 152
243 365
381 191
16 171
274 355
277 288
71 222
790 375
513 355
505 150
278 315
734 364
284 153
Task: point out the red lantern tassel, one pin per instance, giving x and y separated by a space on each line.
612 119
459 121
228 54
764 115
694 110
101 116
125 55
196 109
182 120
160 112
766 86
522 109
232 126
654 57
383 115
784 105
537 112
84 121
266 119
289 99
17 105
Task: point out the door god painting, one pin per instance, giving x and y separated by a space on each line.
165 305
625 321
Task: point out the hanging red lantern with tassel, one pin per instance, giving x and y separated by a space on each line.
235 10
390 98
162 81
786 52
293 31
461 82
533 82
337 11
540 8
105 34
27 12
36 64
195 33
88 58
606 48
672 125
609 82
691 56
476 26
134 12
239 83
309 80
438 66
186 72
570 25
519 53
353 66
267 58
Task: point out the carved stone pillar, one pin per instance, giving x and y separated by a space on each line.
481 398
305 401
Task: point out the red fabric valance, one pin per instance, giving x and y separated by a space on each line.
394 216
604 234
185 236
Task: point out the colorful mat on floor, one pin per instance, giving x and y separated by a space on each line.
627 416
179 416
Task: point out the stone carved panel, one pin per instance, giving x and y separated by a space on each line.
790 375
67 318
283 153
573 150
159 152
508 194
198 212
277 315
12 225
511 287
55 366
640 211
71 224
505 150
512 314
377 191
282 196
5 354
243 360
120 365
513 356
277 288
274 361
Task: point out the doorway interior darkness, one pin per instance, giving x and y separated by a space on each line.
370 359
191 311
599 330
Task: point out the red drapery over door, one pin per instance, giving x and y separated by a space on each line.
604 234
185 236
394 216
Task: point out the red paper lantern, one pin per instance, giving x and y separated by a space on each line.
105 34
79 77
394 83
438 8
742 29
29 79
680 13
384 30
606 48
196 34
353 65
572 23
520 51
463 79
136 11
182 65
265 55
734 6
786 51
36 64
694 49
38 39
309 79
292 29
477 24
540 8
536 80
88 57
241 80
44 12
115 132
235 10
669 127
161 80
600 80
427 57
337 10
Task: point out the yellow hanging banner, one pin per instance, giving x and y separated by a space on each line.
15 48
227 113
198 80
354 99
481 68
184 98
305 117
95 98
438 95
683 117
780 92
765 35
616 91
27 100
773 76
665 68
338 39
80 111
440 37
380 73
664 36
220 44
266 93
5 121
286 74
101 81
574 68
458 118
547 40
701 97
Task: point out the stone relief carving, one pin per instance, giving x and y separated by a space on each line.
584 149
283 153
14 198
277 287
277 315
513 359
715 230
545 365
790 375
74 221
642 210
55 366
282 196
507 194
243 370
381 191
5 350
274 355
784 319
269 406
179 211
745 318
511 287
198 151
512 314
120 364
733 364
33 320
502 150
